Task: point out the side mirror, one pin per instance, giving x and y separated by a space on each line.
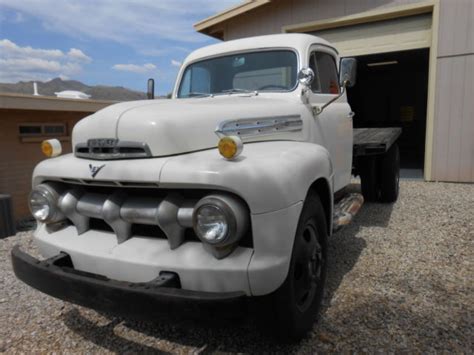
306 76
348 72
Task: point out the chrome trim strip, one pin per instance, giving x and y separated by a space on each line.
88 182
260 126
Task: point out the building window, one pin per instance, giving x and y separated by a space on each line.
42 129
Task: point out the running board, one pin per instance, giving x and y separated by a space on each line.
345 210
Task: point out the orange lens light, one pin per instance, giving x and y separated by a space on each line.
47 148
230 146
51 148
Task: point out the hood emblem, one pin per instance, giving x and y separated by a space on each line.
95 169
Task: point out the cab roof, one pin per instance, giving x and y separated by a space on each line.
298 41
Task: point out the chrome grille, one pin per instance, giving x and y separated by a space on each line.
110 148
169 212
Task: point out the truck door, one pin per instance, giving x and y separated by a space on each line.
333 127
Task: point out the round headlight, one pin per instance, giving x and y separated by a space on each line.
40 206
43 203
220 220
211 224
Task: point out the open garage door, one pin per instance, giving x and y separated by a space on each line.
395 35
392 91
392 83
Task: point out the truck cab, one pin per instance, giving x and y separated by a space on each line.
228 191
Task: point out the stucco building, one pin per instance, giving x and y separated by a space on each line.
416 67
25 121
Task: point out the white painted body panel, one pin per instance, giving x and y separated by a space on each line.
272 175
172 127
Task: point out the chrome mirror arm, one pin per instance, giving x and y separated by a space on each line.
318 109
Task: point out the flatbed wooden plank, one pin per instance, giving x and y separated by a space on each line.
369 141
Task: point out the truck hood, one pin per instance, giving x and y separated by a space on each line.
177 126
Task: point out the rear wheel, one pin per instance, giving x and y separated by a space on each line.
390 175
293 308
367 167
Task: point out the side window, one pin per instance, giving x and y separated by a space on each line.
315 85
325 70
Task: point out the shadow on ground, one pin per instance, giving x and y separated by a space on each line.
237 333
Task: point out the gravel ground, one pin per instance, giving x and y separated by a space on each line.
400 279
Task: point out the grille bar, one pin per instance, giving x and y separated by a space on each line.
170 213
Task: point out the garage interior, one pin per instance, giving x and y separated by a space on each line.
392 91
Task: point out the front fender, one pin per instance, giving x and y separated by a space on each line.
269 176
274 179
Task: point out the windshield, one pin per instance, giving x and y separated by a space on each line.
245 72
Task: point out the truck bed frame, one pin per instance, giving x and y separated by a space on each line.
374 141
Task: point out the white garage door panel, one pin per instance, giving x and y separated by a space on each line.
381 37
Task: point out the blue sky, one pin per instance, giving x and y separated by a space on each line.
109 42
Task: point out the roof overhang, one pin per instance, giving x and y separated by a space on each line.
208 25
48 103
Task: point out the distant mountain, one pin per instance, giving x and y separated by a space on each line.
99 92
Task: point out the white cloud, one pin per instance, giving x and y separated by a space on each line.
134 68
77 54
9 49
137 23
175 63
27 63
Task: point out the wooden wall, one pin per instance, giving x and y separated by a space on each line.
18 156
271 18
453 149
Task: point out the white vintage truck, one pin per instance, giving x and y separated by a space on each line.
228 191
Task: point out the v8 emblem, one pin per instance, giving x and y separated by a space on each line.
95 169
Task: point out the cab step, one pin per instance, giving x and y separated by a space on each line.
345 210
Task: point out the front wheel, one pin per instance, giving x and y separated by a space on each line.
295 305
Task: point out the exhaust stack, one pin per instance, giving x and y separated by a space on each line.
150 89
35 89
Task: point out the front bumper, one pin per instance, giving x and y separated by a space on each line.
140 259
258 271
57 277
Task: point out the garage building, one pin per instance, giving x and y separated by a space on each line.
416 67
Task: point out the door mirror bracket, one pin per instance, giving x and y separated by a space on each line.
319 109
347 79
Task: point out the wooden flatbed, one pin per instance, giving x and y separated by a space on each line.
374 141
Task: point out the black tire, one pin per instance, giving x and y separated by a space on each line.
293 308
367 167
390 175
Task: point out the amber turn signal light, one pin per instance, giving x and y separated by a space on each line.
51 148
230 147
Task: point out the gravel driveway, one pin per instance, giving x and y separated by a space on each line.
400 278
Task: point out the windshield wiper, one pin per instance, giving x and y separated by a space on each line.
238 91
198 94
